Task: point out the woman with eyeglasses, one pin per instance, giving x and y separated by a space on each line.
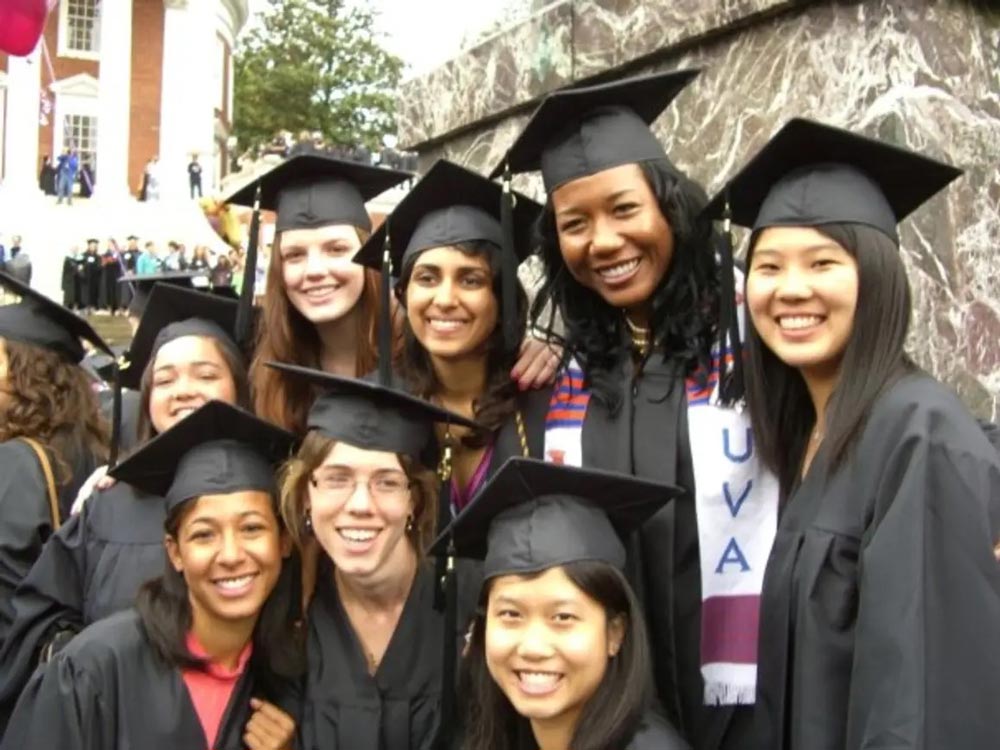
374 638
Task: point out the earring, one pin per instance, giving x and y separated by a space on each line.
409 524
308 523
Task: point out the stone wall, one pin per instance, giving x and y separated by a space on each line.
918 73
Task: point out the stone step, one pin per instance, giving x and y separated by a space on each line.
114 329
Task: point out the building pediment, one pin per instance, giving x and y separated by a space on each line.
82 84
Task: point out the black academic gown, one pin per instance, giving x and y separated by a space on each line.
25 513
111 271
656 734
91 568
881 604
346 708
108 690
648 437
71 282
90 274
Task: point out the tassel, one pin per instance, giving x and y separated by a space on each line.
385 316
508 267
116 412
244 313
731 379
446 721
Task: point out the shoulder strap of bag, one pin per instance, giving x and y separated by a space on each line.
50 481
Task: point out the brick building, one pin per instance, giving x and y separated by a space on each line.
124 80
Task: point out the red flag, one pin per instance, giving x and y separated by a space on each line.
21 24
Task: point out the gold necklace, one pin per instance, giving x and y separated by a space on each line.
640 337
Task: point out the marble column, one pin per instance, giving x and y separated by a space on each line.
20 176
186 110
113 101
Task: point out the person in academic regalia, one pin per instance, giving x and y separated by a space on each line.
881 599
358 490
181 357
128 259
461 335
90 275
73 275
648 296
558 655
111 271
207 653
52 435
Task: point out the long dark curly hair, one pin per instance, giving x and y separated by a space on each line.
685 304
52 401
499 401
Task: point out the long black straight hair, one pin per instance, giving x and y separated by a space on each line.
613 713
781 410
165 610
685 304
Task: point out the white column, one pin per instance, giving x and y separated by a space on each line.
113 100
186 107
20 176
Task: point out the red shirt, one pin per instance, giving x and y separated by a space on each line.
212 687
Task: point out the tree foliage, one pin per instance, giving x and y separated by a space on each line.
314 65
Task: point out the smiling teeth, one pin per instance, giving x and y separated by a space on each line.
613 272
358 535
538 679
799 321
321 290
446 325
234 583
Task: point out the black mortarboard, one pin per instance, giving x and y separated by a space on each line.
39 321
94 240
533 515
810 174
132 237
143 285
311 190
371 416
174 312
450 205
579 131
218 450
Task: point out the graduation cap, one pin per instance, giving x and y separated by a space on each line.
173 312
371 416
811 174
533 515
448 206
311 190
142 286
39 321
217 450
579 131
132 237
93 240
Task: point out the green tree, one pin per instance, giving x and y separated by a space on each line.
314 65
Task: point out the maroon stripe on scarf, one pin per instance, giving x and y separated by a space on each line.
729 626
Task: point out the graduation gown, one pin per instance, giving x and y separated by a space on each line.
111 271
108 690
91 568
656 734
648 437
881 603
346 708
25 514
90 280
71 275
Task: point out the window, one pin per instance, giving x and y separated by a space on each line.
79 28
81 131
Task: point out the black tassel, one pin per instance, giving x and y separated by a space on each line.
731 379
508 267
385 316
447 718
116 413
244 313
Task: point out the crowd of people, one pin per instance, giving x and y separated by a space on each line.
671 502
101 279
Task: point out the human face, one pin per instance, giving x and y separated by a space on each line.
450 302
613 237
364 534
802 292
548 645
187 373
321 281
229 549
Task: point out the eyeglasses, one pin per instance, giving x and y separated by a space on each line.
341 484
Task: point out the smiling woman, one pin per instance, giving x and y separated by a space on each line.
211 645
